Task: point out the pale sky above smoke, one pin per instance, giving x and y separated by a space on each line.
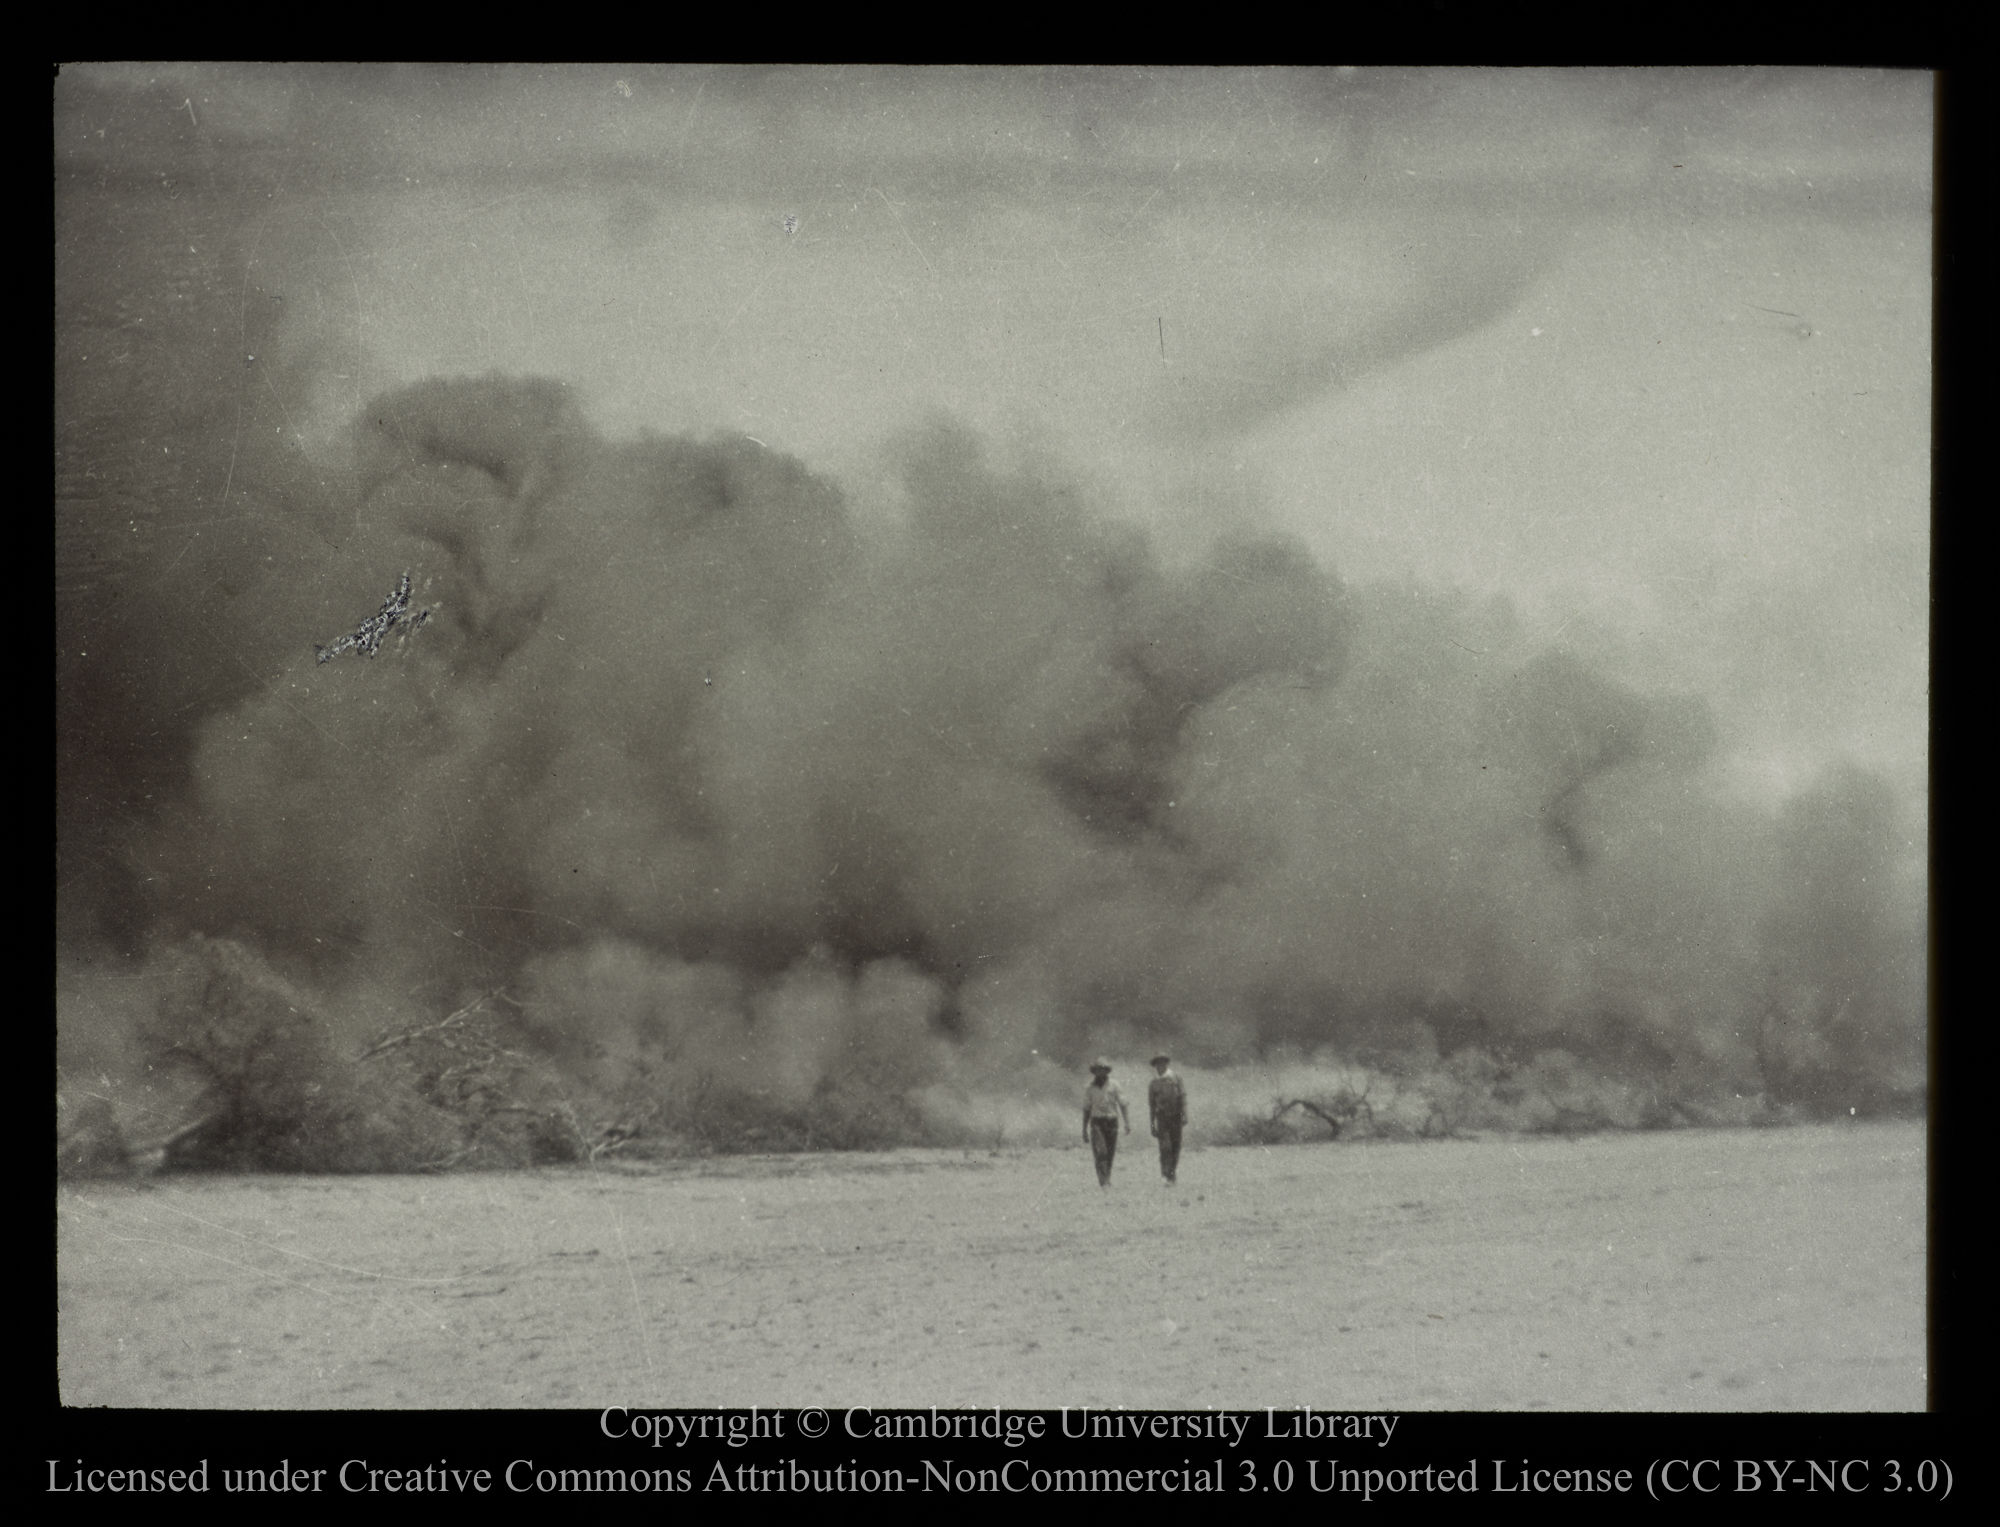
1646 350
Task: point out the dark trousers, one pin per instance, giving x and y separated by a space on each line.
1170 1147
1103 1146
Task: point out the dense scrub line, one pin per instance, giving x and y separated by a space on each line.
273 1082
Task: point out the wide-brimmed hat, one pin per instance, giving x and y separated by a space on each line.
1160 1060
1100 1064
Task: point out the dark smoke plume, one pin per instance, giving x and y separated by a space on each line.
751 827
709 809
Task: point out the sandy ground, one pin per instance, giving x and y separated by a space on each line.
1740 1270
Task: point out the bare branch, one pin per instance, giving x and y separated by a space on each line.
447 1024
1310 1107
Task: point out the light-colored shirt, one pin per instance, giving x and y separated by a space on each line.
1103 1102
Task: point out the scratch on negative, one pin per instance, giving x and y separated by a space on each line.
906 230
288 704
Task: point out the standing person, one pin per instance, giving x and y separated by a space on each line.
1103 1106
1166 1099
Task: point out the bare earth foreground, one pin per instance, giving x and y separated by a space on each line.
1742 1270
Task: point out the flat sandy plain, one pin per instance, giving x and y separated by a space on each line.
1778 1269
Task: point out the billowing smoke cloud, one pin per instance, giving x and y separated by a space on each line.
713 807
736 806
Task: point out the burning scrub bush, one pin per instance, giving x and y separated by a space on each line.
280 1088
89 1142
276 1094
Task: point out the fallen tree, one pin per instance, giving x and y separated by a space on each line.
1336 1110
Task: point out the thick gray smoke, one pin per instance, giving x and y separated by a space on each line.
722 794
712 807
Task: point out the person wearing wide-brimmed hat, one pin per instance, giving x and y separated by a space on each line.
1103 1107
1166 1101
